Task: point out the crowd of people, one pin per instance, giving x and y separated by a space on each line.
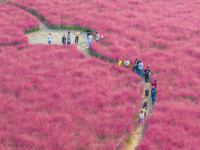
67 40
138 65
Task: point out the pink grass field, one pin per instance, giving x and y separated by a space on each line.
12 20
52 97
165 35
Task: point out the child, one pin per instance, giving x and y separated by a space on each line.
144 111
141 117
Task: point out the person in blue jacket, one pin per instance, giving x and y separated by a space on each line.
153 94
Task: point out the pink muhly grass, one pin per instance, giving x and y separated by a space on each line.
61 100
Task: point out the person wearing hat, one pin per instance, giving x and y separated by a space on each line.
146 72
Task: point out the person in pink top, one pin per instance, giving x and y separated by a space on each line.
154 84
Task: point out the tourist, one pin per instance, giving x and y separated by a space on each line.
64 40
117 60
153 94
88 32
68 38
141 117
127 63
140 65
146 72
77 37
147 87
154 84
144 105
135 65
49 38
97 36
144 111
120 62
90 38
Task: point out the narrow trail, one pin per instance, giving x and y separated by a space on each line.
40 37
136 135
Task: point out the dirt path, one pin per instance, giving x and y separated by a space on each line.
136 135
40 37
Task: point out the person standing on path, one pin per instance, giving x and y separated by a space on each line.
117 60
64 40
141 117
127 63
88 32
135 65
140 65
147 87
146 72
90 38
154 84
68 38
49 38
97 36
77 37
145 107
153 94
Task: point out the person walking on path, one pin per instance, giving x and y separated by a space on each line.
90 37
49 38
147 88
77 37
135 65
140 65
144 105
154 84
68 38
146 72
127 63
88 32
141 117
144 111
153 94
64 40
117 60
97 36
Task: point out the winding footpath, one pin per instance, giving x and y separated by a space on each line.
40 37
136 135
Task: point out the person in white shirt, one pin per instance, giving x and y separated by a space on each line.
140 65
49 38
97 36
141 117
90 37
127 63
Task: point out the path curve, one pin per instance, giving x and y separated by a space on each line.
40 37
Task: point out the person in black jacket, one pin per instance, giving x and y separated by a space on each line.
135 65
147 71
88 32
64 40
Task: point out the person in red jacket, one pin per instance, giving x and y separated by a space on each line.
154 84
